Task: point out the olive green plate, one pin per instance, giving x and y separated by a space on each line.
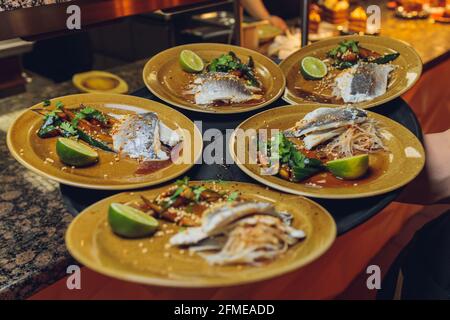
90 240
408 71
39 155
391 170
164 77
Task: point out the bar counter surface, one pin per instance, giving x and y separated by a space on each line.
33 218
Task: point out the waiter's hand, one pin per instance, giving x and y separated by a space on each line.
278 22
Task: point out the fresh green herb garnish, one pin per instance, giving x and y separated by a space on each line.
233 196
46 103
92 113
230 62
182 182
198 192
59 105
89 113
343 46
50 124
285 151
77 118
177 192
68 129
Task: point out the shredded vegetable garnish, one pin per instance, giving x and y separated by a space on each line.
358 138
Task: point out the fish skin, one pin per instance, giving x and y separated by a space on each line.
362 82
323 119
137 136
215 87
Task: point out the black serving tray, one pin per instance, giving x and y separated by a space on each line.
347 213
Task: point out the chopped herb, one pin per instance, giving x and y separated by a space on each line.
46 103
285 151
198 192
177 192
68 129
232 196
77 118
50 125
182 182
230 62
91 113
59 105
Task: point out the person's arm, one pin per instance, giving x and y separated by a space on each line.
433 183
258 10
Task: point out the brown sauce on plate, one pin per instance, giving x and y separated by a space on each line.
378 164
147 167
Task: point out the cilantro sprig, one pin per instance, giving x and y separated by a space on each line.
230 62
89 113
285 151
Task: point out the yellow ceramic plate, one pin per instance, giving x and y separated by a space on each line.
164 77
99 82
90 240
39 155
388 170
409 68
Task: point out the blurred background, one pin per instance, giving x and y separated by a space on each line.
37 49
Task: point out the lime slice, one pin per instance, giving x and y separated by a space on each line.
313 68
74 153
349 168
191 62
129 222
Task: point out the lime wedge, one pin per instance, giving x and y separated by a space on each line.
74 153
313 68
191 62
349 168
129 222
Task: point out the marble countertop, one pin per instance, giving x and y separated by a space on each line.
33 218
32 214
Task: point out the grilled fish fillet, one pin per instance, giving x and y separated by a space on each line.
323 119
218 219
362 82
215 87
324 124
139 136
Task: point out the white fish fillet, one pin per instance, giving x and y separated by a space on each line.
246 232
362 82
218 218
139 136
221 87
188 236
316 138
322 119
